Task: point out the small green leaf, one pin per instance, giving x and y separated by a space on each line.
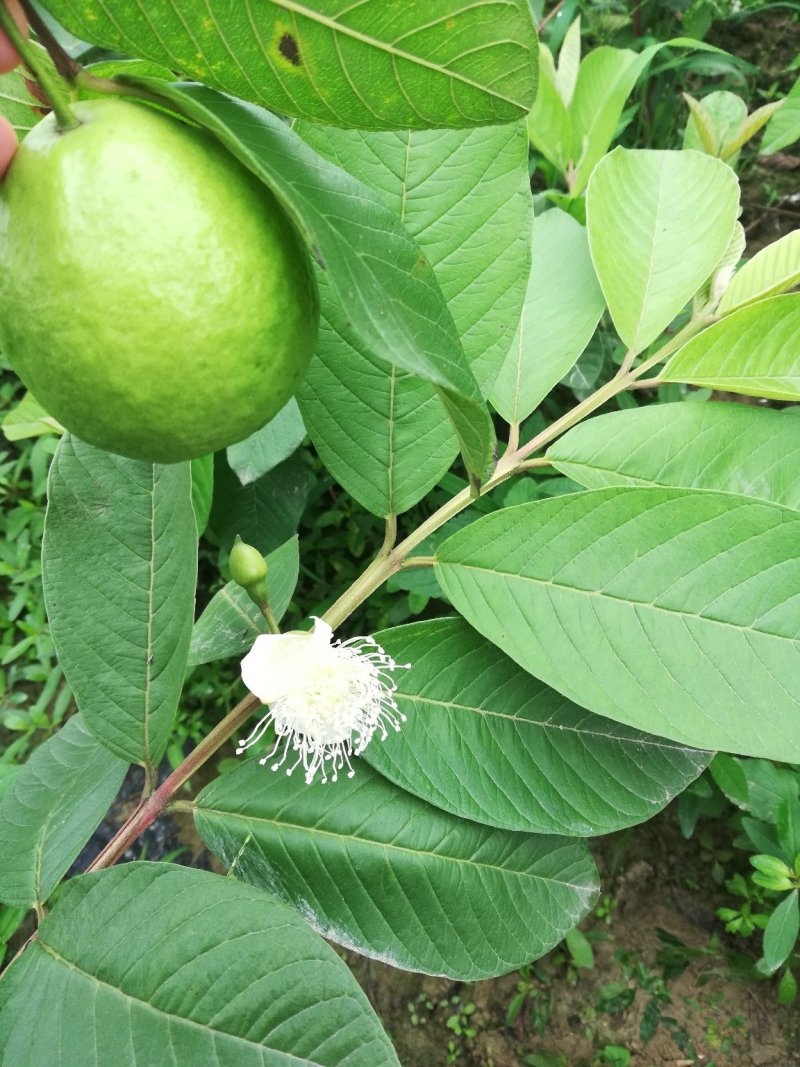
411 67
549 125
52 808
729 776
701 133
787 990
734 448
202 491
269 446
771 271
659 222
379 870
580 949
771 865
783 129
17 104
29 419
563 305
119 564
152 960
780 935
231 621
671 610
754 351
750 127
788 825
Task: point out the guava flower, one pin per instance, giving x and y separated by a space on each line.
326 698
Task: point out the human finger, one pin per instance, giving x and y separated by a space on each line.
8 54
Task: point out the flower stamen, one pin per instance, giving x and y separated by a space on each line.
327 699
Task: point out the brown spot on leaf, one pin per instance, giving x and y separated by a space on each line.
288 48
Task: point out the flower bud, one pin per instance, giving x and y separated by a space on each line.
248 566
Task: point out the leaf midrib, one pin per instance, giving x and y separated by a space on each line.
387 846
384 46
536 724
601 595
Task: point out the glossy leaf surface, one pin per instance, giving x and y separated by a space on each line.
755 351
659 222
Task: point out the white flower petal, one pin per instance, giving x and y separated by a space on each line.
271 665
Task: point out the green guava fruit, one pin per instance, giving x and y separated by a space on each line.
154 296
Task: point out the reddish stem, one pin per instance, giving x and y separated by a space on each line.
149 809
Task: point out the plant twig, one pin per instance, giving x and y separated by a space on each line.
417 561
550 15
149 809
51 86
66 66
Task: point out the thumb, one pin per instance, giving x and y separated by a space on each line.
8 57
8 144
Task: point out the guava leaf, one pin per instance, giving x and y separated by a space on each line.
488 742
152 963
231 622
755 351
735 448
379 870
264 513
671 610
119 565
51 809
269 446
659 223
377 64
17 104
563 304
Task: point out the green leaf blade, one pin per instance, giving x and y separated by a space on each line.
780 935
150 960
487 742
673 611
773 270
377 869
119 564
563 304
659 222
269 446
733 448
53 806
754 351
361 66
